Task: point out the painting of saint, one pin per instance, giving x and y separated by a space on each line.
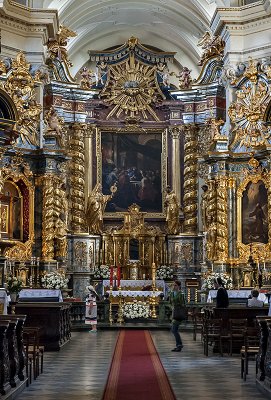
133 163
254 213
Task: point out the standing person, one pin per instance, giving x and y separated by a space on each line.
91 308
177 300
222 299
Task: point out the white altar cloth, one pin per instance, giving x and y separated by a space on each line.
40 293
236 294
125 284
134 293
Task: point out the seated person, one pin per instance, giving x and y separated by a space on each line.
254 302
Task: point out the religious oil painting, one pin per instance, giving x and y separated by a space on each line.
133 162
255 213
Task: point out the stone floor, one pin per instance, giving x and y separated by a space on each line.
79 370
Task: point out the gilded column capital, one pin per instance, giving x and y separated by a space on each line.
175 131
231 182
90 131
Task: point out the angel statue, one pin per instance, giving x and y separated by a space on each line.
95 208
172 212
185 78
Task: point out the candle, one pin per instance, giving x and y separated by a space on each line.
118 276
264 265
111 276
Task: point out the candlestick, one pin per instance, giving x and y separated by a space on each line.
111 276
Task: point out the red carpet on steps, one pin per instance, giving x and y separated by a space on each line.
136 372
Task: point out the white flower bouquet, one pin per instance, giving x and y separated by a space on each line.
209 278
54 280
14 284
102 272
164 272
137 309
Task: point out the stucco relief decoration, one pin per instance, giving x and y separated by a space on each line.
132 88
20 86
57 46
247 112
212 46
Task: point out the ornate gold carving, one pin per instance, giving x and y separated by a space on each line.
259 251
55 127
95 208
211 212
77 171
247 112
213 46
131 88
20 86
222 219
217 218
190 197
80 252
172 207
21 251
54 218
3 68
57 46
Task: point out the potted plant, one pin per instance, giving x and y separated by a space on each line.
14 285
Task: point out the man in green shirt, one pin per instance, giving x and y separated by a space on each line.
177 300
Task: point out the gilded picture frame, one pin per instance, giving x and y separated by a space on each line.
253 217
147 138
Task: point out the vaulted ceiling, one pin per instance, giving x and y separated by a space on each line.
169 25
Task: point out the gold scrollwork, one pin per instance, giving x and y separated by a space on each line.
20 86
190 179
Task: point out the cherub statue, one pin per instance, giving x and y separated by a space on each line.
87 78
55 124
185 78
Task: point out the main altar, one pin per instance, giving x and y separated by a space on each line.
153 175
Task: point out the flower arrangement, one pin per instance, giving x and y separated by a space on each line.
54 280
137 309
14 284
102 272
164 272
209 278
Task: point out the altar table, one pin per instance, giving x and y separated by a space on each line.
237 294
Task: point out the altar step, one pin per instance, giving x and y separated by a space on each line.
146 324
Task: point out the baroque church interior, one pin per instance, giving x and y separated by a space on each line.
135 173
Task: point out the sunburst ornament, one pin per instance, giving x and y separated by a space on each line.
131 89
247 112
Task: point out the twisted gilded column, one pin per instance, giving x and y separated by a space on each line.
232 222
176 163
77 180
89 134
222 218
190 198
48 222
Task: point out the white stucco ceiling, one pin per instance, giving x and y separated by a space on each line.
170 25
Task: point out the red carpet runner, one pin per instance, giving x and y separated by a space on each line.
136 371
